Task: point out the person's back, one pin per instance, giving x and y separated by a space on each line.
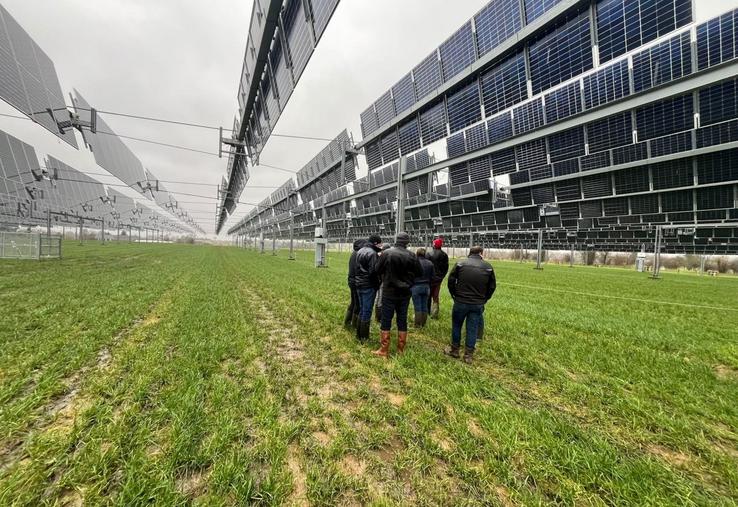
421 288
352 312
473 281
365 273
398 268
471 284
439 258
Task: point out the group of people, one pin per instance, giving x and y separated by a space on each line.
386 279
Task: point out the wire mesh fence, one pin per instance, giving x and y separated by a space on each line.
29 245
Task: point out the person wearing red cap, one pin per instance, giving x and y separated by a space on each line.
440 268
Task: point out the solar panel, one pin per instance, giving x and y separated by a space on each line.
409 135
427 75
615 130
433 123
322 12
385 108
28 79
369 121
455 145
537 8
606 85
561 54
464 107
499 128
403 93
504 85
531 154
299 39
458 51
495 23
390 147
528 116
624 25
110 152
665 117
664 62
564 102
476 137
566 144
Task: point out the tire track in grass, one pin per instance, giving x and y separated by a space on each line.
60 413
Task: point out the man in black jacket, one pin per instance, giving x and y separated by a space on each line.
351 320
366 280
398 269
440 267
471 284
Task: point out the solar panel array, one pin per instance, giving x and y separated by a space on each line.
596 149
28 79
282 37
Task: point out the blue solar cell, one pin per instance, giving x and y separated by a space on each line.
536 8
495 23
623 25
561 54
717 40
531 154
504 85
464 107
385 108
519 177
458 174
564 102
390 147
409 135
528 116
455 145
373 155
403 93
499 128
458 51
476 137
369 121
503 162
433 123
665 117
566 144
664 62
606 85
479 168
540 173
427 75
615 130
565 167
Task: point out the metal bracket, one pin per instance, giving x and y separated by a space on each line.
74 121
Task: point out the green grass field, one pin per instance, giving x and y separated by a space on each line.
176 375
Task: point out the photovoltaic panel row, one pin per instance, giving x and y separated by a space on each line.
17 161
28 79
110 152
76 192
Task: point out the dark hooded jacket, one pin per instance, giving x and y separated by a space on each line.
365 270
440 265
398 268
352 262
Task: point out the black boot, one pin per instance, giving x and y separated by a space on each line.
452 351
354 321
347 319
468 355
362 331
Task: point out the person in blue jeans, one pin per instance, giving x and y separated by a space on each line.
421 289
471 284
366 281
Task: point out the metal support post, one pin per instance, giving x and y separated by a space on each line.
292 238
274 242
539 254
102 231
81 230
139 235
48 223
657 253
571 256
400 220
703 261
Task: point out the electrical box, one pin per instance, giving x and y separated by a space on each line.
641 262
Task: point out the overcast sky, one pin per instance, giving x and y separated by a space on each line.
181 60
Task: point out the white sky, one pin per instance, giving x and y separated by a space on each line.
181 60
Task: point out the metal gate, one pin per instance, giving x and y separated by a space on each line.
29 245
